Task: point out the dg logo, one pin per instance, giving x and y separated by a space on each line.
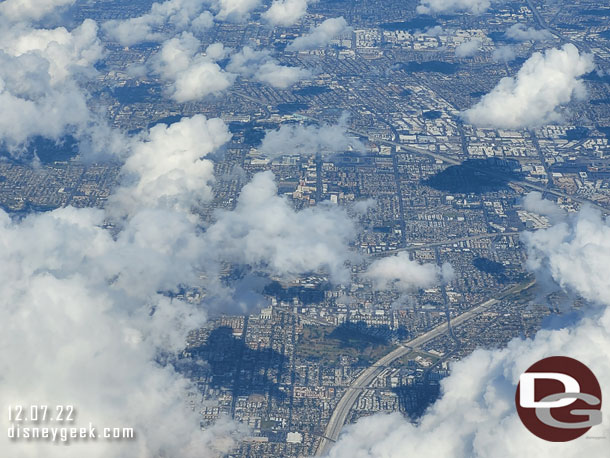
559 399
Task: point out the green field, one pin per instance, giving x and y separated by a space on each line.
326 344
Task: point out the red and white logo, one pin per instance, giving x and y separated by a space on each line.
559 399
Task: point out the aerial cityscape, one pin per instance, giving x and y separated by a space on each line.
296 228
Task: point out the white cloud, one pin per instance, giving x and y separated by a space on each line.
531 98
281 76
81 287
235 10
321 35
285 12
309 140
169 168
504 53
519 32
265 232
402 273
534 202
361 207
435 31
38 90
26 10
451 6
66 52
87 328
468 48
88 324
475 415
260 66
181 15
192 75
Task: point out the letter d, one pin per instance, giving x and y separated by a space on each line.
527 389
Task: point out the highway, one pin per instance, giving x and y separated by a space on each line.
339 415
486 235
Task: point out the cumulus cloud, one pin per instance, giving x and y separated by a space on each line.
519 32
39 94
235 10
321 35
434 31
285 12
100 325
192 75
451 6
87 328
27 10
532 98
265 232
310 140
260 66
468 48
66 53
169 165
534 202
504 53
361 207
400 272
476 416
180 15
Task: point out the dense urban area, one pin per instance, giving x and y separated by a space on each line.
299 358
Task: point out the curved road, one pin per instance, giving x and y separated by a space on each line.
339 416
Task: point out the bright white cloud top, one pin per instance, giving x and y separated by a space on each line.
285 12
260 66
191 74
452 6
400 272
532 98
321 35
308 140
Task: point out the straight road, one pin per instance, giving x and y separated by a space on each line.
487 235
